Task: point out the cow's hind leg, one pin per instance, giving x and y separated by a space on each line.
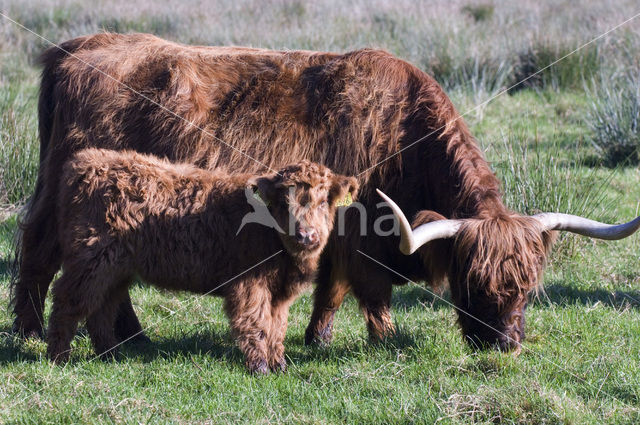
38 260
327 298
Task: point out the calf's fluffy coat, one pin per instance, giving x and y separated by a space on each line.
124 214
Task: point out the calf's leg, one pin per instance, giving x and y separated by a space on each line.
127 325
275 343
71 303
248 307
100 323
77 294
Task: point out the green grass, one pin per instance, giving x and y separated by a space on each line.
581 362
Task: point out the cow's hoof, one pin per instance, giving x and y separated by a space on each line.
109 355
321 338
280 366
27 332
59 357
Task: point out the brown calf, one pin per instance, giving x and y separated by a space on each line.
124 214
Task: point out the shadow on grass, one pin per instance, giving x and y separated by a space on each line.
553 294
563 295
414 296
12 348
219 345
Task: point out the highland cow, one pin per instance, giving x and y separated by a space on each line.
364 113
123 214
494 262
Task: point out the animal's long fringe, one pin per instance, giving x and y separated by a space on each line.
506 253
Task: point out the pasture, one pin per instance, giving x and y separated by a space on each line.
565 139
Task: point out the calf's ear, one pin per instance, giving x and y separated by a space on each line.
343 190
265 187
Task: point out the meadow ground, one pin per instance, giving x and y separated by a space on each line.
581 358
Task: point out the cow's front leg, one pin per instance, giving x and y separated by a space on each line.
375 301
327 298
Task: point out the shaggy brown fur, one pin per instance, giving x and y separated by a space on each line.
123 214
495 263
347 111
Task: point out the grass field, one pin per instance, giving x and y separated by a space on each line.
581 358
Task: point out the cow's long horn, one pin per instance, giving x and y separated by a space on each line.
584 226
411 240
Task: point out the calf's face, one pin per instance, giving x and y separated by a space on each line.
303 198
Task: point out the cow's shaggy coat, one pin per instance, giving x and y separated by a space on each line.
359 113
122 215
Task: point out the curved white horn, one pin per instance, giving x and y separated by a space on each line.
584 226
411 240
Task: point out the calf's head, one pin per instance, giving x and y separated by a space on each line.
494 261
302 198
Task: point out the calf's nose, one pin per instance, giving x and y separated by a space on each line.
307 236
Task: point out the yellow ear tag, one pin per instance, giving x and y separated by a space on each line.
257 196
346 201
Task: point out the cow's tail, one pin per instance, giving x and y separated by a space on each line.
28 220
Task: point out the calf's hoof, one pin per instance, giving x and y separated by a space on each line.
258 367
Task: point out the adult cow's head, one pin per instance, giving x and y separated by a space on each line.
495 261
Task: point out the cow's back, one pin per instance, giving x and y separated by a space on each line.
236 108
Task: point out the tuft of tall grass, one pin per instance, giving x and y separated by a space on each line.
539 177
614 118
479 12
568 73
19 148
479 46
